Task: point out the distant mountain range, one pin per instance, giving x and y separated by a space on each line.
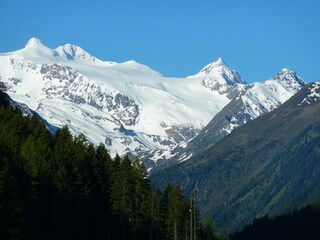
266 167
133 109
248 102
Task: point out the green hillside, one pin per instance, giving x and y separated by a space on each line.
268 166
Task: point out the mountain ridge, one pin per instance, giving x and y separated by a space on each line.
249 102
128 106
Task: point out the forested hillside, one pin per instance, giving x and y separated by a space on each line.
62 187
300 224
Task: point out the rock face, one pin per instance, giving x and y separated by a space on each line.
64 82
128 106
218 77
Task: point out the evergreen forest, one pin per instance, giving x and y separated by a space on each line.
62 187
296 225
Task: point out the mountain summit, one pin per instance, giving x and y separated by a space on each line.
248 101
127 106
217 76
217 63
289 79
34 42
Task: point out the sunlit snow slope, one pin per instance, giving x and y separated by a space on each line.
127 106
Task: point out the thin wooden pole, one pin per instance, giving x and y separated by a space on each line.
191 233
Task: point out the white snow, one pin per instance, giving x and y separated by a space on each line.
314 94
266 96
173 101
128 106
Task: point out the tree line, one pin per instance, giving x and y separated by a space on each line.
299 224
63 187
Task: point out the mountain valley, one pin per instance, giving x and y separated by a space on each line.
245 150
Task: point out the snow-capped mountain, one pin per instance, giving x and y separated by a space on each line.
250 102
259 98
128 106
217 76
268 166
313 94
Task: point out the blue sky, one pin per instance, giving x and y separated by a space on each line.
177 38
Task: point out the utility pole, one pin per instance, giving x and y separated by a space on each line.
186 229
194 217
191 233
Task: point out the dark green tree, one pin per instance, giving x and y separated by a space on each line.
209 230
62 187
176 213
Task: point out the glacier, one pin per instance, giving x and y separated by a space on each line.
128 106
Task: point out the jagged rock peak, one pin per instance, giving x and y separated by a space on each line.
289 80
218 71
283 73
287 75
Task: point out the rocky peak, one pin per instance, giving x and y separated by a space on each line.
289 79
219 77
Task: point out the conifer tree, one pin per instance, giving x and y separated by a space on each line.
62 187
209 230
176 213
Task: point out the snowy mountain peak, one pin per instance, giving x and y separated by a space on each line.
72 52
220 71
285 70
289 79
285 73
34 42
217 76
218 63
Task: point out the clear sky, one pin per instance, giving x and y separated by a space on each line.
177 38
